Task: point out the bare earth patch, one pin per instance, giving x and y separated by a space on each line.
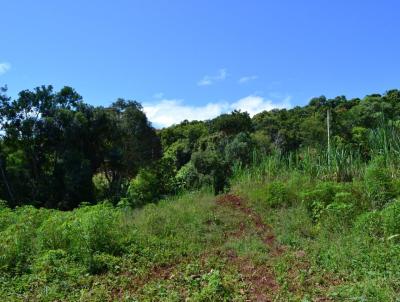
260 278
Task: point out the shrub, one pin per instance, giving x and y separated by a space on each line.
338 214
213 288
153 183
7 216
378 183
239 150
17 241
212 164
96 229
341 211
144 188
103 262
278 194
55 264
316 200
101 186
370 224
189 178
54 231
391 220
84 233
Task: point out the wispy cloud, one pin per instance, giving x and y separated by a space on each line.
209 80
172 111
246 79
4 67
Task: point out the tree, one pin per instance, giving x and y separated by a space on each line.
233 123
133 145
53 143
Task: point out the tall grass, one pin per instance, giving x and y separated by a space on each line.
341 208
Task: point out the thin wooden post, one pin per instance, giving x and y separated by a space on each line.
328 126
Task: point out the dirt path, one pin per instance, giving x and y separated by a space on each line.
260 278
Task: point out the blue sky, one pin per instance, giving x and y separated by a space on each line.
195 59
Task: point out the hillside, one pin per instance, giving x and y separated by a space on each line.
231 209
280 235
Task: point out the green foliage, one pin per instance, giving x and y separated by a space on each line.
337 209
17 239
101 186
211 163
378 183
213 288
53 145
189 178
391 221
143 188
152 184
316 200
250 247
240 149
370 223
380 224
365 291
278 194
232 124
55 264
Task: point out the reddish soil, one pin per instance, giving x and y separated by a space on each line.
263 230
260 279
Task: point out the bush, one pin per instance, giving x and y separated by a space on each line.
278 194
316 200
240 149
7 216
144 188
380 224
213 288
210 163
101 186
153 183
188 178
378 183
55 265
370 224
95 229
391 220
17 241
103 262
338 214
84 233
54 231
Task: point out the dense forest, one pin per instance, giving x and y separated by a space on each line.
57 151
297 204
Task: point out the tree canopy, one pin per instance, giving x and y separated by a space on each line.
56 151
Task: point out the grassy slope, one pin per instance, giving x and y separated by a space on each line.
262 245
166 252
334 258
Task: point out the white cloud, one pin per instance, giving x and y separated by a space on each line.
254 104
4 67
209 80
167 112
246 79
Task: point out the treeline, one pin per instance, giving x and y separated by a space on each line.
57 152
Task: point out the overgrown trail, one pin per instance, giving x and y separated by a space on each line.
260 278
